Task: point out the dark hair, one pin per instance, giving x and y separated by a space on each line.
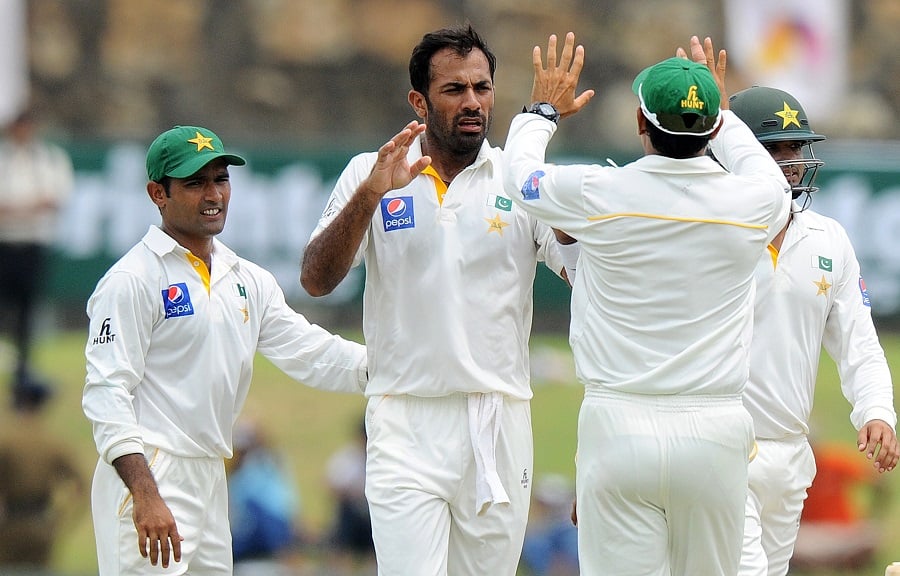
166 182
675 145
461 40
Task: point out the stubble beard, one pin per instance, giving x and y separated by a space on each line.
448 138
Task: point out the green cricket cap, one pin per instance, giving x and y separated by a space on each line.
183 150
679 97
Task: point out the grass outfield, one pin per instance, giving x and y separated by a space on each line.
309 425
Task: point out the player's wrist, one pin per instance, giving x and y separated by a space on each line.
544 110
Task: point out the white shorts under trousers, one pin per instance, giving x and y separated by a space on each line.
195 491
779 476
420 483
661 484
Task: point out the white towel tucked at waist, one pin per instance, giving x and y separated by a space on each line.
485 411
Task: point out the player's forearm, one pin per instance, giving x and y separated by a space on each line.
135 473
525 150
329 256
738 150
325 263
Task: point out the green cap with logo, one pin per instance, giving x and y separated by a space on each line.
183 150
679 96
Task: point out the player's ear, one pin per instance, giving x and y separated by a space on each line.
641 122
157 193
419 104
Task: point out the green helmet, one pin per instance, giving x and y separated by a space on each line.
773 115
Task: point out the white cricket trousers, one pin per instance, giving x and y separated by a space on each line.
780 475
420 483
196 492
661 483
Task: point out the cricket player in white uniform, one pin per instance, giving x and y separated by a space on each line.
661 311
174 329
809 294
450 264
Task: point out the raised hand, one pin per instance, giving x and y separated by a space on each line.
392 170
704 54
557 82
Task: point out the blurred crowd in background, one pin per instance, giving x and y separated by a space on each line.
307 73
290 76
300 85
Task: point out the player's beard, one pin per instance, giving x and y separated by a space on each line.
445 134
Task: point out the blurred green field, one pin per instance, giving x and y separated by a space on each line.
309 425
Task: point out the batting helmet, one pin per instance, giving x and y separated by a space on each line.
775 116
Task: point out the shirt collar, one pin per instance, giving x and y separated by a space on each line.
659 163
486 155
161 244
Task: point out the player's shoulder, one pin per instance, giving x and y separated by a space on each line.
140 261
359 165
250 273
136 273
367 158
252 268
818 222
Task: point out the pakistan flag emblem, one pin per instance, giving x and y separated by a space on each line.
499 202
824 263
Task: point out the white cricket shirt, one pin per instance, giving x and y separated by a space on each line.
448 295
30 176
170 350
813 295
663 297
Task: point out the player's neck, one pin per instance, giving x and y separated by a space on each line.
446 162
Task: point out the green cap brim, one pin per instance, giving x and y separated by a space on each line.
192 166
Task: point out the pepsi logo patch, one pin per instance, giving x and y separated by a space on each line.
177 300
397 213
864 292
531 190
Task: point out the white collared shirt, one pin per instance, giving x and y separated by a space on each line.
448 297
663 298
812 296
171 348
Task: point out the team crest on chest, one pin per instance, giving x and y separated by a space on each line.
241 291
496 224
822 286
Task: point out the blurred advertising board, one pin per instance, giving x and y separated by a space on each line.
276 202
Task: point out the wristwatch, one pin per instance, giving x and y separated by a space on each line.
545 109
